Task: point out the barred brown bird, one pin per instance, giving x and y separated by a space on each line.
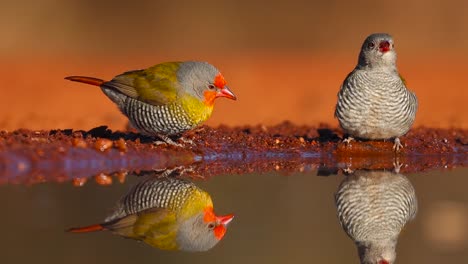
373 207
166 99
373 102
167 213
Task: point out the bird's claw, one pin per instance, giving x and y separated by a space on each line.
166 140
397 165
174 172
186 141
348 140
397 145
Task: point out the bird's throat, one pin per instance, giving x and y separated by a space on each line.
210 97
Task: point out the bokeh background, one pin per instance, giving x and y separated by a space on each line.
285 60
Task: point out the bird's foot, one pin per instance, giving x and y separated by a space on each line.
186 141
199 129
174 172
397 145
167 140
397 165
348 140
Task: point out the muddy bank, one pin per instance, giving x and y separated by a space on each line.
61 155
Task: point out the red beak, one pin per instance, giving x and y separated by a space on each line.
225 219
225 92
384 46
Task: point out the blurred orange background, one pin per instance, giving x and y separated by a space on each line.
284 61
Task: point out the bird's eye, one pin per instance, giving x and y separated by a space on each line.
211 86
211 226
371 45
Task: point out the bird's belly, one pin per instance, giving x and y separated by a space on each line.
153 120
374 123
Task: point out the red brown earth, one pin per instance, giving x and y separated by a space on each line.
300 87
28 156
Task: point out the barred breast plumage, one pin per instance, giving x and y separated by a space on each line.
373 207
375 104
169 119
167 193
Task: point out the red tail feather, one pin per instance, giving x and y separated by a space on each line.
86 229
84 79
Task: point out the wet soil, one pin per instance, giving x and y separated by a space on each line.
28 156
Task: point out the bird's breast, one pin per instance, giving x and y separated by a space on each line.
196 110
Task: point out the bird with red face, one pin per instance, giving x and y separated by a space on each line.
166 213
167 99
373 102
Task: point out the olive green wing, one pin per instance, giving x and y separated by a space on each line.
155 226
156 85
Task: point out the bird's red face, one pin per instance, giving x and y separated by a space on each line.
384 46
217 223
217 89
383 261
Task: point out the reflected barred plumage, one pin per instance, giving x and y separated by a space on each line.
167 193
373 207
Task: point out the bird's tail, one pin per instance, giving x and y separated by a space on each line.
86 229
84 79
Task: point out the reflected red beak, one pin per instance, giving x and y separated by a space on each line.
384 46
225 219
225 92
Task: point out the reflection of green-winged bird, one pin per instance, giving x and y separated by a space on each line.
167 213
166 99
373 102
373 207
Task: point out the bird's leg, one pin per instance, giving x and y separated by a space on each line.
167 140
179 171
186 140
174 172
397 165
348 140
397 145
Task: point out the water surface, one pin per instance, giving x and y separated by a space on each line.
279 218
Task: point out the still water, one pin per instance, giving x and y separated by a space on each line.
279 218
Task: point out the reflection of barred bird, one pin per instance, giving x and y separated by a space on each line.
373 102
373 207
166 213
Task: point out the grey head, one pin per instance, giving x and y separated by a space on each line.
378 51
198 77
196 234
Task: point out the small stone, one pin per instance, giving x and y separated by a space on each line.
79 143
78 182
103 179
103 144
